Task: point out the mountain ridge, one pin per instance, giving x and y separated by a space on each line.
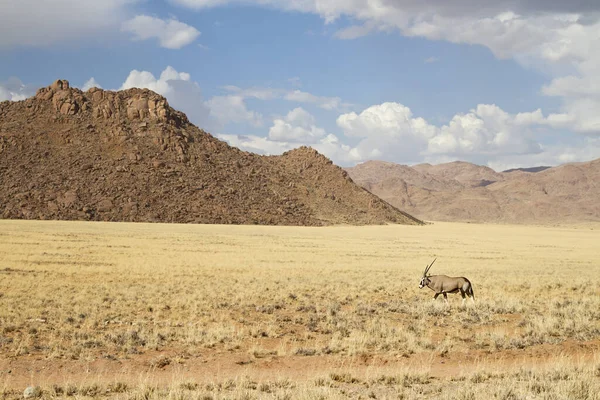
128 156
472 193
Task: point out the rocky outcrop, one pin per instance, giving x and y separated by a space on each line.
134 104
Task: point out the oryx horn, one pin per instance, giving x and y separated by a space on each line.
429 267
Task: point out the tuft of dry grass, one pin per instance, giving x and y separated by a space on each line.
564 382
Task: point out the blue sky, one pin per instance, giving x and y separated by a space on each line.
500 83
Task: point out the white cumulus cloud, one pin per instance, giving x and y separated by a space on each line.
182 93
14 90
90 83
385 120
485 130
390 131
145 79
329 145
171 34
297 126
232 109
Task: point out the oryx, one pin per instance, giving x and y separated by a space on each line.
442 284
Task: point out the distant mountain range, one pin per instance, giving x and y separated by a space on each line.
461 191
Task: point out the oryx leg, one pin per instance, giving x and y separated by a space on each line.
462 293
436 296
446 298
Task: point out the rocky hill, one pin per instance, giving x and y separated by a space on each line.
461 191
128 156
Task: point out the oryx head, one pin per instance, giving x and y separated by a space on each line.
425 279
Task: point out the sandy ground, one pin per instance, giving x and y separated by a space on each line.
19 372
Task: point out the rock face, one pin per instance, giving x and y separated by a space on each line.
461 191
128 156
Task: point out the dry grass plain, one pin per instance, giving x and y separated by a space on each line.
148 311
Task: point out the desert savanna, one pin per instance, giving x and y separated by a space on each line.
148 311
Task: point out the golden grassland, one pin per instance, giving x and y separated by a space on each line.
215 312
